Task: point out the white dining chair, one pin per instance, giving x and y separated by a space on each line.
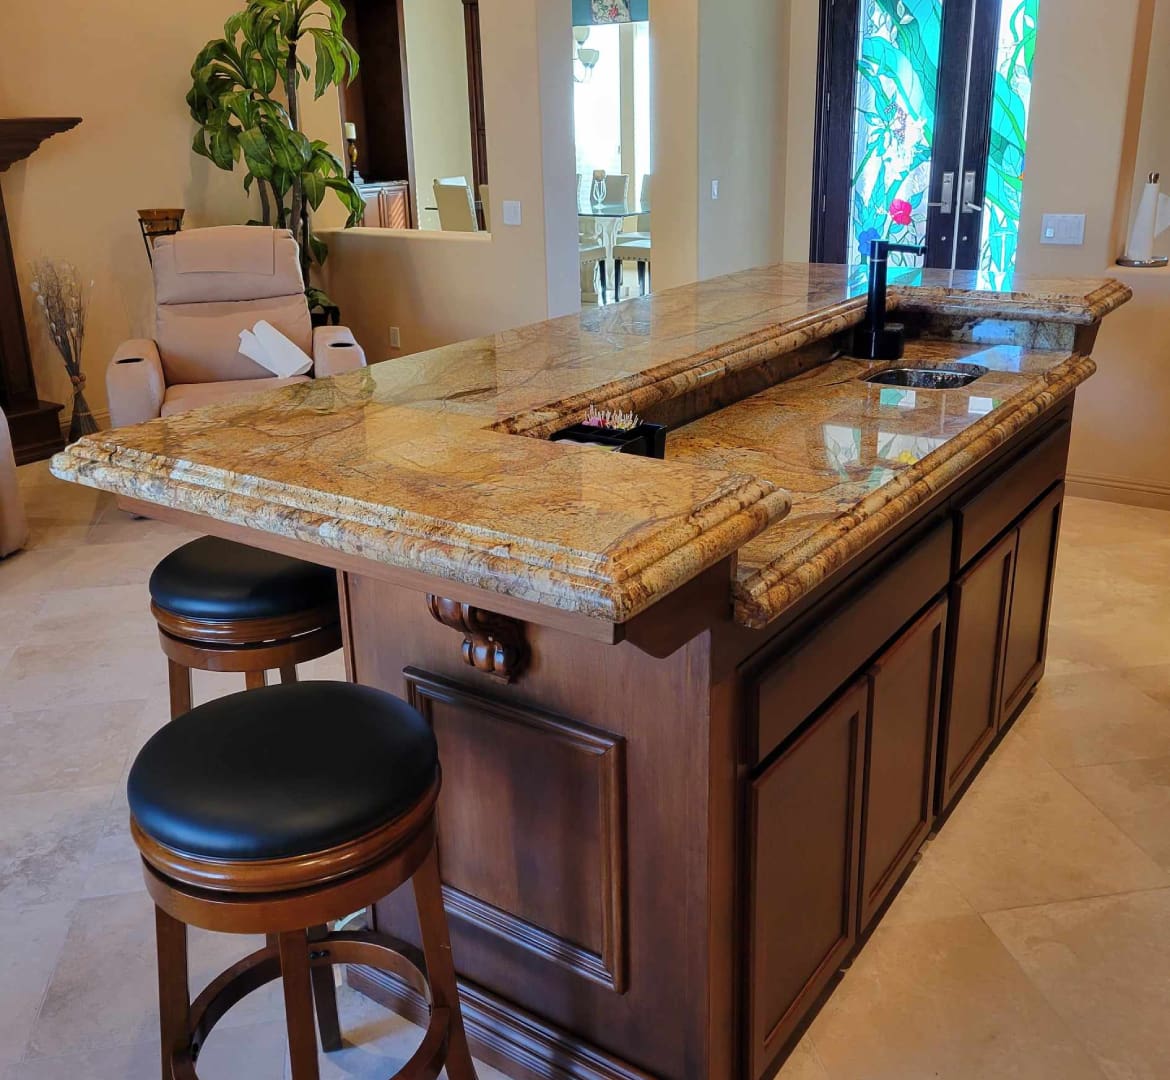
593 252
485 199
639 227
456 204
617 189
632 249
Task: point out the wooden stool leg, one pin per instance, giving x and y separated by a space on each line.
288 673
174 992
179 678
255 680
298 1005
325 998
432 921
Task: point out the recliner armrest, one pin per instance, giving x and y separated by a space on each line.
134 383
335 350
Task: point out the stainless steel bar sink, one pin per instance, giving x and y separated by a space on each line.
950 377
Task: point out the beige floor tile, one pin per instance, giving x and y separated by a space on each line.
927 895
84 673
1018 839
1135 796
46 841
113 937
1153 681
30 943
96 613
77 747
1091 719
248 1053
1103 966
943 999
803 1064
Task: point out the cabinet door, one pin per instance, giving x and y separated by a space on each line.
1027 637
904 698
980 602
394 211
805 812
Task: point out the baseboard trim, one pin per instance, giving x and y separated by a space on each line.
502 1034
1119 489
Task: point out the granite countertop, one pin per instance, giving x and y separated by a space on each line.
416 462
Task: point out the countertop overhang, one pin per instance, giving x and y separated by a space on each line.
416 463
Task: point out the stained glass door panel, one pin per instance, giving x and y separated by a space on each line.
922 133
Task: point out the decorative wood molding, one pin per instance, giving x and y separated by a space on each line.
606 966
20 136
501 1033
494 644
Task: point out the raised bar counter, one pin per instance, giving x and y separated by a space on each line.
697 716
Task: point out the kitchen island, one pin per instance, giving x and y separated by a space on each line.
696 716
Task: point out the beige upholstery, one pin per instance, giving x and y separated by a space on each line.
455 204
195 395
13 524
210 284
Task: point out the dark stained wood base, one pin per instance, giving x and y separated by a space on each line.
36 431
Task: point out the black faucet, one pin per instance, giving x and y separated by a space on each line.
874 339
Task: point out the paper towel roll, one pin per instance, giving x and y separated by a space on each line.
1153 218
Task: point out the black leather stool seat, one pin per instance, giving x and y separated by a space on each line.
282 771
217 579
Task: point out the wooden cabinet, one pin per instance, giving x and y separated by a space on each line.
980 605
1027 635
387 205
805 828
904 698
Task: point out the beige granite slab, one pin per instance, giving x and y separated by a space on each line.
416 463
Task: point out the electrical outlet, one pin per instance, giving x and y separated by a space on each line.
714 189
395 338
1067 229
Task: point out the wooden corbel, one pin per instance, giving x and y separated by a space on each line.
494 644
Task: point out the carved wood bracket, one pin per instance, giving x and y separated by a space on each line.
494 644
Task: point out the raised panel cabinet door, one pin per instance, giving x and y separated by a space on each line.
980 602
395 213
805 820
1027 636
904 698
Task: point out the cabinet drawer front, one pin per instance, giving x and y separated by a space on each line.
797 684
904 697
805 839
984 516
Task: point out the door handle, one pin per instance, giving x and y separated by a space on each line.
970 206
946 193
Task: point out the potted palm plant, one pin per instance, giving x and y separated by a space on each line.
244 97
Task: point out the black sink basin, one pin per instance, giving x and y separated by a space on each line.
950 377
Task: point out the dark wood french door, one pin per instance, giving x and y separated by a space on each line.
903 128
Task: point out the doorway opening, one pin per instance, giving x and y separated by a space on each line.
922 129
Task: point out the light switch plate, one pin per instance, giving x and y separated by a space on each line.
714 189
1068 229
511 212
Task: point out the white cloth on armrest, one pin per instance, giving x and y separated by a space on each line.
269 348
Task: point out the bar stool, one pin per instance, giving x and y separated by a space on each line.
245 826
222 606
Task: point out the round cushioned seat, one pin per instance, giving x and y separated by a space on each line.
218 580
282 771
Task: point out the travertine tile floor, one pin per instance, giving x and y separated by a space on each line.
1032 941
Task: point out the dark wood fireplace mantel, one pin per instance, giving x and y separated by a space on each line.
36 432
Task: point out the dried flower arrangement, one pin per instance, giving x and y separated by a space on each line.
64 303
611 419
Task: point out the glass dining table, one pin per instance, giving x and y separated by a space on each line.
607 217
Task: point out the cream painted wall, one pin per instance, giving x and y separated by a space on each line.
1153 146
442 287
436 59
77 196
801 32
742 88
1080 97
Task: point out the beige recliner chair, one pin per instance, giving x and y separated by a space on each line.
209 285
13 524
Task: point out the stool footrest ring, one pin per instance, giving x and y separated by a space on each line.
348 947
